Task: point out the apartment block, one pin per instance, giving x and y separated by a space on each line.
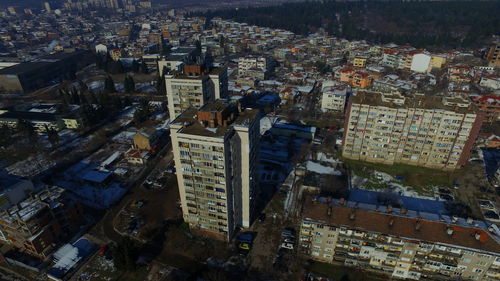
193 87
490 105
359 61
401 243
493 55
416 130
37 224
246 63
334 96
355 78
216 152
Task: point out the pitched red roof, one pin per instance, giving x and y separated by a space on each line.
401 226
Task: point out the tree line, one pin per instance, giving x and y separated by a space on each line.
421 24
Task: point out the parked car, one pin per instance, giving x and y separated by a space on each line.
170 169
245 237
244 246
287 246
103 249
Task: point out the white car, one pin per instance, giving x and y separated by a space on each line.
287 246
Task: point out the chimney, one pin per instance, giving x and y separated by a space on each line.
477 236
391 222
417 226
449 231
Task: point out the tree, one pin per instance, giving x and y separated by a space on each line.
109 85
345 277
114 67
198 46
52 135
27 130
143 111
165 48
135 66
144 67
6 135
129 84
125 254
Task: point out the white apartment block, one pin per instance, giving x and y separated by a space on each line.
185 91
401 243
419 131
215 151
246 63
334 96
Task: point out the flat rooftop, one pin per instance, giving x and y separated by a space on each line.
411 101
191 125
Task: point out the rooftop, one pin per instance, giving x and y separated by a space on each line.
191 125
28 208
402 224
413 101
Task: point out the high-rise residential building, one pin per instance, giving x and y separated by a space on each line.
215 151
493 55
418 130
46 6
401 243
193 87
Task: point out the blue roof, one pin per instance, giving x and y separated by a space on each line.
69 256
268 98
287 126
95 176
410 203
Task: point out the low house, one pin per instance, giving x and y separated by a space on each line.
145 139
137 156
69 258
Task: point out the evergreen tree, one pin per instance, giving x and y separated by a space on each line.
135 66
165 48
6 136
27 130
160 85
52 135
143 111
125 254
144 67
129 84
109 85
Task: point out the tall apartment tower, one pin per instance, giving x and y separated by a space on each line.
493 55
215 151
420 131
193 87
46 6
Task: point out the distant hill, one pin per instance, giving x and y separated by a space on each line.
431 24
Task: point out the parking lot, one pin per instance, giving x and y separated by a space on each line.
147 209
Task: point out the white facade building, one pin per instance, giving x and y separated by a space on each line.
334 96
421 63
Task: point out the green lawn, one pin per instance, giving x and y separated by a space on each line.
418 177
